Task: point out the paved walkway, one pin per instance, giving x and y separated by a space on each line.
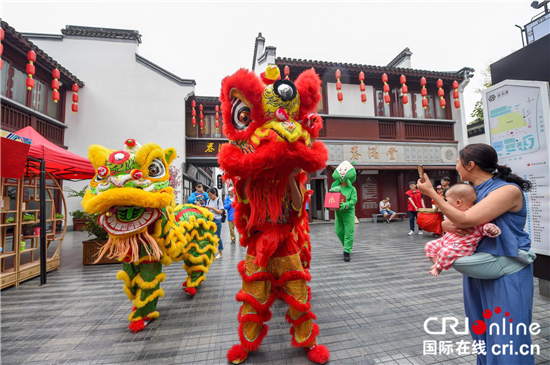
370 311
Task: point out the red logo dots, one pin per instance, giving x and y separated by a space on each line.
479 327
487 314
497 310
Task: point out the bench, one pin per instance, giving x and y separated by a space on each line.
397 215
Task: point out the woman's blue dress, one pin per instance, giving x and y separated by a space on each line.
513 293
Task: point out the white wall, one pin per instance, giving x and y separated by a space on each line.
351 105
121 99
480 138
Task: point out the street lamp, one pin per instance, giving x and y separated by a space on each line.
537 5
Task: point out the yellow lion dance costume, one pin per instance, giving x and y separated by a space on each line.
135 204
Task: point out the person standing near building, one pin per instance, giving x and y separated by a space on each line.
215 205
344 176
415 201
228 205
385 208
199 197
445 184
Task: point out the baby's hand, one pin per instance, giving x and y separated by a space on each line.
491 229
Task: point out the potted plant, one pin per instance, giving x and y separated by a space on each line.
78 219
28 228
91 247
10 220
58 222
78 215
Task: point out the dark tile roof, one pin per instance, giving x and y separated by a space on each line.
399 57
458 75
77 30
42 58
208 100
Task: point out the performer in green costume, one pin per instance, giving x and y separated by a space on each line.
344 176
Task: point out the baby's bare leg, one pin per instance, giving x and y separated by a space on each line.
434 259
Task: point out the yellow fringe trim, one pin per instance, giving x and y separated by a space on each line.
196 283
159 293
149 284
202 259
194 235
153 315
190 269
129 293
123 276
130 319
150 316
208 248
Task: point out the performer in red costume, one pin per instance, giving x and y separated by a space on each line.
272 132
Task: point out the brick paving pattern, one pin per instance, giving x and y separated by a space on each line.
370 311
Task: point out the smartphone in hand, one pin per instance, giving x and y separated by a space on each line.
421 173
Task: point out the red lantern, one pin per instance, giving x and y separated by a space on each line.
402 79
424 92
287 72
362 87
55 96
193 113
404 89
456 94
441 93
201 117
405 99
55 85
1 46
75 98
1 34
56 74
386 89
31 57
338 74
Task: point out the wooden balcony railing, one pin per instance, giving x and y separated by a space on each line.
429 131
14 119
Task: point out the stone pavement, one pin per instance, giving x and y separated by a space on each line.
370 311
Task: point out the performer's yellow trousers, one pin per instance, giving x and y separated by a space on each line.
284 278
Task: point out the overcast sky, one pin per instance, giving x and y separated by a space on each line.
207 40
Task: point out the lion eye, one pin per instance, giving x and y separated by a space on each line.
156 169
241 114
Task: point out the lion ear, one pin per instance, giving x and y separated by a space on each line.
308 85
98 155
170 155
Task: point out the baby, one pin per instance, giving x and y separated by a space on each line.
445 250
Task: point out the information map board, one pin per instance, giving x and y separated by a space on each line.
517 125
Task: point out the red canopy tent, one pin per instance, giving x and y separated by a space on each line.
60 163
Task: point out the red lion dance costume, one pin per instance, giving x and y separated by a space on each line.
272 139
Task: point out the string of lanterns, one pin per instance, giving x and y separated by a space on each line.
386 89
193 113
404 89
218 116
75 98
201 117
455 94
1 47
362 87
55 85
338 75
31 57
424 92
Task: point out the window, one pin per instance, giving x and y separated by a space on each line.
382 109
52 107
320 108
39 96
190 130
18 86
407 108
4 79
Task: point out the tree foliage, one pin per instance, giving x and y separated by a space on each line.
477 113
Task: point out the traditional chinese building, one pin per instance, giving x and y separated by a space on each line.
387 136
128 96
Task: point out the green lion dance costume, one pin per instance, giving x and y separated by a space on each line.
146 228
345 216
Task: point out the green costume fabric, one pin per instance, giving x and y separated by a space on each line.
345 216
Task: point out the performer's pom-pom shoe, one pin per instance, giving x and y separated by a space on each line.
319 354
184 285
237 354
191 291
137 326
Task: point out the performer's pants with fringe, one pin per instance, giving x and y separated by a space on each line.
284 278
142 286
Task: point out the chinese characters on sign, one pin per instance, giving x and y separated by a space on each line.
373 152
211 149
355 153
392 152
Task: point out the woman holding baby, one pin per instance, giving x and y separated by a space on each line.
500 200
